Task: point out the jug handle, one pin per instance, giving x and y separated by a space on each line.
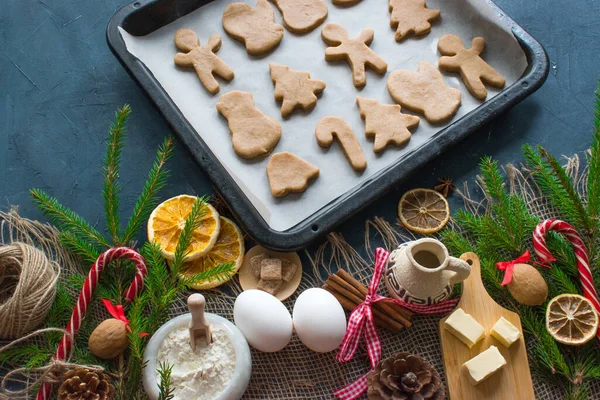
461 270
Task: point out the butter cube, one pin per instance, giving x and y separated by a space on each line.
482 366
464 327
505 332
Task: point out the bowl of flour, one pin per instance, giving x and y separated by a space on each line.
218 371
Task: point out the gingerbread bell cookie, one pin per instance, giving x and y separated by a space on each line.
202 58
255 27
302 16
294 89
289 173
334 127
411 17
473 70
424 91
253 133
386 123
356 52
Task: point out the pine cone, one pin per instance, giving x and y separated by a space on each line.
85 384
404 376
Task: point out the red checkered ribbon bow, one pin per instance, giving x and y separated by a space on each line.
361 321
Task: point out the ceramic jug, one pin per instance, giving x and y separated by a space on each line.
422 272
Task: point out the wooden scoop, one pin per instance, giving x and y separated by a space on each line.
198 325
513 381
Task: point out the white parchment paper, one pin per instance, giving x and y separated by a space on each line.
466 18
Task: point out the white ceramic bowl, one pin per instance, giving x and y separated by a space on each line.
243 360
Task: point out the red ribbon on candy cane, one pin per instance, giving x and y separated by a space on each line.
585 273
361 321
65 345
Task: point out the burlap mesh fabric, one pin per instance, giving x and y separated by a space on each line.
298 373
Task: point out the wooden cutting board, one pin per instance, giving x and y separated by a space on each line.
513 381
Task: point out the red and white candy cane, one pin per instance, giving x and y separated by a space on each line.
585 273
65 345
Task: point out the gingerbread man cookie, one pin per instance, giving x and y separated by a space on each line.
255 27
473 70
424 91
386 123
334 127
302 16
253 133
294 88
355 51
289 173
202 58
411 16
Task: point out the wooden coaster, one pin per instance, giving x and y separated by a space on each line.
248 281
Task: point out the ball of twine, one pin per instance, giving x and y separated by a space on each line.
27 288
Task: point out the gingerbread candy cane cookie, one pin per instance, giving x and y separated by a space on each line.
334 127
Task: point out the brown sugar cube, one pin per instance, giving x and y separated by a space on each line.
271 287
288 270
270 269
255 264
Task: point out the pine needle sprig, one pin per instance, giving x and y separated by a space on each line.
593 182
148 200
192 222
166 391
84 249
220 272
65 219
112 161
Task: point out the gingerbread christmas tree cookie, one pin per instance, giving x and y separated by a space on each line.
356 52
330 128
294 88
202 58
302 16
253 133
411 16
255 27
473 70
424 91
386 123
289 173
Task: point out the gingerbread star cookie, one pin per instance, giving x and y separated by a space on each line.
255 27
202 58
330 128
424 91
289 173
386 123
411 16
473 70
355 51
253 133
294 88
302 16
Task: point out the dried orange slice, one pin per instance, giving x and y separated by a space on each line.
168 220
423 210
571 319
229 248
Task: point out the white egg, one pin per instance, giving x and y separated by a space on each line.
263 319
319 320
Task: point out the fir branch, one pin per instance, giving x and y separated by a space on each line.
85 250
192 222
156 180
559 172
221 272
593 182
65 219
166 391
112 162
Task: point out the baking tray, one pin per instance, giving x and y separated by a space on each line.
145 16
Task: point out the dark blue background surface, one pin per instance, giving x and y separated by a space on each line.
60 85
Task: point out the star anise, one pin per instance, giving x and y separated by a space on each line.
445 186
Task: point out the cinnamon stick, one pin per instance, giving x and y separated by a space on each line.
349 305
389 306
357 300
383 308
